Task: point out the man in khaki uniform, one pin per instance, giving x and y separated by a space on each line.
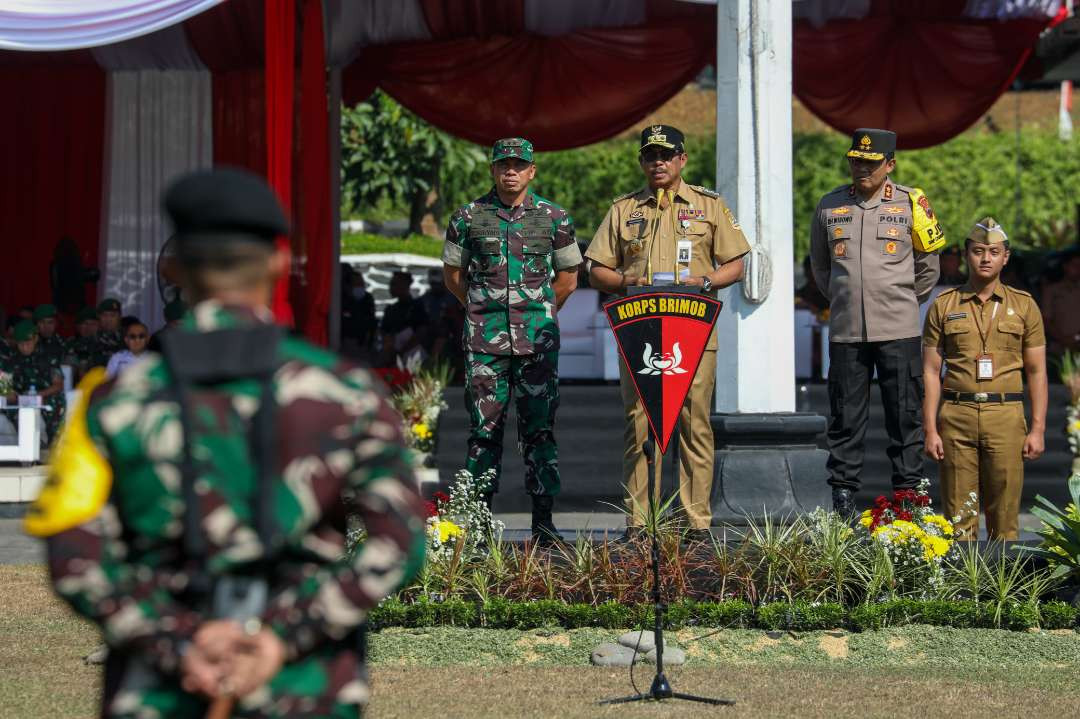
643 234
872 245
986 332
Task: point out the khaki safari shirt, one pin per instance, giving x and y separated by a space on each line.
956 323
864 261
624 241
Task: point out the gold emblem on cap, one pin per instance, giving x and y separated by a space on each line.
657 129
865 141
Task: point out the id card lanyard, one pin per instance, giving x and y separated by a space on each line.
984 363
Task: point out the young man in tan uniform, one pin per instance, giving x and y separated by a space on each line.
986 332
643 234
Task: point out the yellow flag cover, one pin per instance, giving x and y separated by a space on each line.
926 232
79 477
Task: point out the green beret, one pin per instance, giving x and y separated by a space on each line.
25 330
108 305
175 310
43 312
85 315
225 202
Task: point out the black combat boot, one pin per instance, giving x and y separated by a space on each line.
843 502
543 529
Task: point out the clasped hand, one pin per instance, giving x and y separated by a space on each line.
224 660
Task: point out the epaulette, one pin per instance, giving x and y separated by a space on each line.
906 188
705 191
1017 291
626 195
946 292
842 188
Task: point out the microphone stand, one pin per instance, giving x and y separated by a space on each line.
661 687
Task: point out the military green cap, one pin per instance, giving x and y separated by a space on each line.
44 312
987 232
108 305
512 147
25 330
86 314
869 143
175 310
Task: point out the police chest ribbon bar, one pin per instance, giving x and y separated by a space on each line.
661 335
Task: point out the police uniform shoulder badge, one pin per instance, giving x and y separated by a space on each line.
926 232
624 196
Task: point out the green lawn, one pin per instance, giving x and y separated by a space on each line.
362 244
917 670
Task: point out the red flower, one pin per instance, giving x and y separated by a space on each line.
431 509
904 515
923 500
882 502
441 498
393 376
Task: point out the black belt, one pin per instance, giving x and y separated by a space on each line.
981 397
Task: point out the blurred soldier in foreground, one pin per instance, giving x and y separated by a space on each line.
196 507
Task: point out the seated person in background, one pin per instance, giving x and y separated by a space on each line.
174 312
136 337
435 303
357 314
49 344
810 296
404 324
26 312
951 275
109 334
32 374
1059 307
84 348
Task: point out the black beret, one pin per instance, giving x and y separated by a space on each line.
108 304
224 201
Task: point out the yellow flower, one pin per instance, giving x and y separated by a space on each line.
446 529
941 523
1075 426
421 430
866 519
935 547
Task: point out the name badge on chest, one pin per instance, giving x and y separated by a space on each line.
984 366
684 252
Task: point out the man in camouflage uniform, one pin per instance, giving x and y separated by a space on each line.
873 248
501 253
84 347
32 372
50 344
207 534
109 336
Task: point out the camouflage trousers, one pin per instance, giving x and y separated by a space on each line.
490 383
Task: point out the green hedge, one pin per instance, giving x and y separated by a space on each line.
362 243
966 178
798 616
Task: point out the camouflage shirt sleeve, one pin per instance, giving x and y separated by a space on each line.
455 247
567 253
133 604
381 490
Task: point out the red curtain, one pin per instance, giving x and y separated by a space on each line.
925 72
581 88
280 46
51 168
316 234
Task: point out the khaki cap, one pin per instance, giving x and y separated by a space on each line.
987 232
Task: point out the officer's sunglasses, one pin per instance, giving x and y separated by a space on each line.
652 155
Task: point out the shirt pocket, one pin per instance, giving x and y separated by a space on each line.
1011 334
894 243
840 245
959 338
486 256
536 252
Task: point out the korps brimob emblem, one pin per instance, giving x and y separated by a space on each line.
661 333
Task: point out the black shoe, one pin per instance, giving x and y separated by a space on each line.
544 532
843 502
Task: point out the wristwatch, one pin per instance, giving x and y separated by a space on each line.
706 284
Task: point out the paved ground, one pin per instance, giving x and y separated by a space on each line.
589 432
